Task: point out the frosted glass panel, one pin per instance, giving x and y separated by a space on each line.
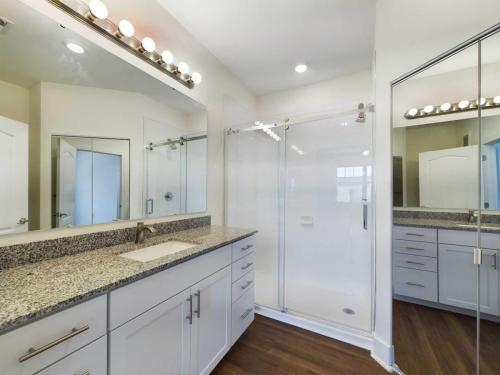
252 202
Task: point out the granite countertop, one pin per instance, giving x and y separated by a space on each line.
32 291
445 224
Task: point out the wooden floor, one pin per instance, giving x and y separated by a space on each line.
431 341
274 348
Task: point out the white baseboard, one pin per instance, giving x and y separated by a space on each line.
383 354
359 340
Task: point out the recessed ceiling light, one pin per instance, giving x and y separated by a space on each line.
301 68
75 48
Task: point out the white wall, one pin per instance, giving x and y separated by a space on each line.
15 102
407 35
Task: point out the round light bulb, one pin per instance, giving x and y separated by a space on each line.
428 108
445 107
126 28
148 44
301 68
463 104
75 48
167 57
482 101
196 77
412 112
496 99
98 9
183 67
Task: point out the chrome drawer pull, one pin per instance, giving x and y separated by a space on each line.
245 314
190 316
33 352
411 262
85 373
415 284
243 287
414 248
198 309
494 263
245 248
414 234
245 267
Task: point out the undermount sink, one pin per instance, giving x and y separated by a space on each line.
157 251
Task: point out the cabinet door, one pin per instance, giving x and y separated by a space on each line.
210 332
154 343
458 279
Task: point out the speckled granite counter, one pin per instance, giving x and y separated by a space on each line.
31 291
445 224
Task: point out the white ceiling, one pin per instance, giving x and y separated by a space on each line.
261 41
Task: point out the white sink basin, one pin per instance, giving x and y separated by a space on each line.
157 251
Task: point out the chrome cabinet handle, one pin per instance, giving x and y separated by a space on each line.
249 282
35 351
413 248
245 267
198 309
85 373
190 316
245 248
415 284
245 314
494 263
415 234
365 216
412 262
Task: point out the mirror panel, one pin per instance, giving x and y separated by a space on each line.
55 102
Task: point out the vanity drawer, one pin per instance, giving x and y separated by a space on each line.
243 314
415 262
414 233
242 266
59 334
243 247
416 284
426 249
242 285
91 359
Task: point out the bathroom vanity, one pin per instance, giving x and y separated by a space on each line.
97 312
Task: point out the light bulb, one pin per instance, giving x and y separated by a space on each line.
482 101
98 10
301 68
183 67
496 99
148 44
75 48
445 107
412 112
167 57
125 28
196 77
463 104
429 108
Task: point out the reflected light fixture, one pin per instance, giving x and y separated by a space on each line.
167 57
496 99
196 77
482 101
183 67
449 108
125 29
147 45
301 68
445 107
413 112
463 104
73 47
428 109
97 10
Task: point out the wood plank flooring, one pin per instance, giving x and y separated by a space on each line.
432 341
274 348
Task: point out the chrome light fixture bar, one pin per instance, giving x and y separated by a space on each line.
448 108
95 15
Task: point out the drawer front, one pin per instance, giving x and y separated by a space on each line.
426 249
415 262
61 333
91 359
414 234
242 285
243 247
132 300
415 283
242 266
243 314
469 238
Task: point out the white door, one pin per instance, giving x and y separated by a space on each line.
438 170
154 343
210 332
458 278
14 172
66 170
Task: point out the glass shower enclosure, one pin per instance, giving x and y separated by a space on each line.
306 186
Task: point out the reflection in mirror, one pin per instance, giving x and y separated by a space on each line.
74 123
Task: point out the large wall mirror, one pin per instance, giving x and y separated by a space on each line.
87 138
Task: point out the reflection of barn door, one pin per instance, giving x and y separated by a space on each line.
66 166
448 178
14 173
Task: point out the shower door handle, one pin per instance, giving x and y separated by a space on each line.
365 215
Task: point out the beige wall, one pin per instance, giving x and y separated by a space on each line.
14 102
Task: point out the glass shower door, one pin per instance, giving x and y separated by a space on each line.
328 255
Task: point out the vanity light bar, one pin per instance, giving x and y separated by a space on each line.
95 15
448 108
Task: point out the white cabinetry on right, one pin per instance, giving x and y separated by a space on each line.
458 274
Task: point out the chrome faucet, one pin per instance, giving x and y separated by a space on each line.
141 229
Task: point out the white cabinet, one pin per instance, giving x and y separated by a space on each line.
156 342
458 278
